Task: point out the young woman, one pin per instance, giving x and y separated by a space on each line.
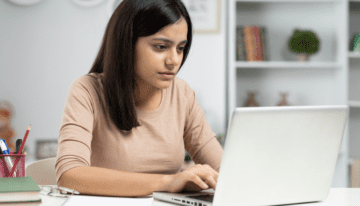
127 123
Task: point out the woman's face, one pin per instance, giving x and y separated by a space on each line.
160 53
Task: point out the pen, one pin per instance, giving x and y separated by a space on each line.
5 150
20 150
18 143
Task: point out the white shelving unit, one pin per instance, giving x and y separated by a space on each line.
286 65
354 104
354 83
323 80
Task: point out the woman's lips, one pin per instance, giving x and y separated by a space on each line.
166 75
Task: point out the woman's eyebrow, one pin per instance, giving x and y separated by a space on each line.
169 41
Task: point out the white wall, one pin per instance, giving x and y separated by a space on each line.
44 47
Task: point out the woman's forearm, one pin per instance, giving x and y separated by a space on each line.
108 182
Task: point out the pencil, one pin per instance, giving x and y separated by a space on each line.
20 151
24 140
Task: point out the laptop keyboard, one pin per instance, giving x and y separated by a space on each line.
208 198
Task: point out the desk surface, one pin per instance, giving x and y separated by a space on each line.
337 196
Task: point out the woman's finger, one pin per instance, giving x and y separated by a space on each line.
216 176
211 181
207 174
214 173
197 180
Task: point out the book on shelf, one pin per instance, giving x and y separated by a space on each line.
265 54
257 43
240 45
19 191
249 38
251 43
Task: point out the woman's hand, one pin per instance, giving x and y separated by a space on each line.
196 178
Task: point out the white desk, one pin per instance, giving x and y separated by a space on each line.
337 197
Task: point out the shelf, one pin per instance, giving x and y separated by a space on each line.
353 54
354 103
286 65
290 1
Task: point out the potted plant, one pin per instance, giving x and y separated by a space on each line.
304 43
221 139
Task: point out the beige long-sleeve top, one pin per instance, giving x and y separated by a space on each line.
157 146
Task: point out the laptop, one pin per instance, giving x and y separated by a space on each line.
274 156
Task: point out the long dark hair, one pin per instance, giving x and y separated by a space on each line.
132 19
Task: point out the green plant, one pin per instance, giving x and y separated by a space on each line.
304 42
221 139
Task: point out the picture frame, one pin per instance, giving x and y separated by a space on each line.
205 15
88 3
46 148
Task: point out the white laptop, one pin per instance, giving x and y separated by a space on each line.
274 156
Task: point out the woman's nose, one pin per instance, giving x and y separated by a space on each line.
174 58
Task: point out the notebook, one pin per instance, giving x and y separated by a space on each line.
19 189
273 156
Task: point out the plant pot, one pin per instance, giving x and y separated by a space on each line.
303 57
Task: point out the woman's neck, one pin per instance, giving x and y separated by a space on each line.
147 99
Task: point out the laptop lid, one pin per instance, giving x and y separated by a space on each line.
280 155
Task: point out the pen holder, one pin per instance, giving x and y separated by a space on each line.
20 167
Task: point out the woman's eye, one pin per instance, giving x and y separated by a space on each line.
181 48
161 47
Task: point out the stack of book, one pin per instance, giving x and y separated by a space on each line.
251 44
19 191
